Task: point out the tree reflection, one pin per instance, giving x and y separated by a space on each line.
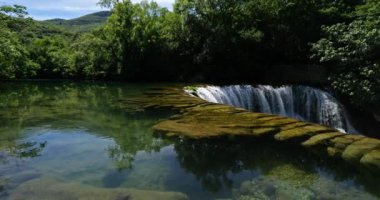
94 107
28 149
21 150
137 136
10 150
123 153
214 161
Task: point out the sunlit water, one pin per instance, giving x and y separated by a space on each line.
79 133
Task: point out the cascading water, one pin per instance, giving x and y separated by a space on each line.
300 102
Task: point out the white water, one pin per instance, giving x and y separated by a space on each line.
300 102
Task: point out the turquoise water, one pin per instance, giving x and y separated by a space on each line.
78 133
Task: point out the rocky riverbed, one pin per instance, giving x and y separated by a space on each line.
287 182
51 188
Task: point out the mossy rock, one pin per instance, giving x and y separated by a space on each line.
336 145
200 119
321 138
309 130
372 160
355 151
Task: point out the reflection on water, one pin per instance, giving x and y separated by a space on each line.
75 138
276 169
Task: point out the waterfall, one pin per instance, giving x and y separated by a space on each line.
300 102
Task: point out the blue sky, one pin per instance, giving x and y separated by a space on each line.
65 9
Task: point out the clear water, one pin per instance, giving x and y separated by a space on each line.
78 133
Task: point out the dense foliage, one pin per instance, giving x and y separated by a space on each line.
14 59
24 47
353 52
202 40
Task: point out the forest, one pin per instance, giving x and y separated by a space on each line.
203 40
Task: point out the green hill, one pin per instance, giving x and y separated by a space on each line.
83 23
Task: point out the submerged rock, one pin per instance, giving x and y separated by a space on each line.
48 188
287 182
292 175
271 189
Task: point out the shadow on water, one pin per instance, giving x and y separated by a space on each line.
215 163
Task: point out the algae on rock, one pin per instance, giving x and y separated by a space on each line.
200 119
293 175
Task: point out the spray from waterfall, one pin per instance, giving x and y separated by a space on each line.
300 102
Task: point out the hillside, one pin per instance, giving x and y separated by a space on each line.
83 23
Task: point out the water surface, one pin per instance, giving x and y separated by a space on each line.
77 132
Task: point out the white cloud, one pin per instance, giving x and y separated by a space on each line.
46 9
165 3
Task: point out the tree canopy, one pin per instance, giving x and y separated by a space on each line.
352 51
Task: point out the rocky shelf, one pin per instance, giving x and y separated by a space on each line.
197 119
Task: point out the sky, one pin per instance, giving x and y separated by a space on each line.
65 9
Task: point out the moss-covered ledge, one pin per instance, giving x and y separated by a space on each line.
200 119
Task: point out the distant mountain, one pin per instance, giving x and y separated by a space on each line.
84 23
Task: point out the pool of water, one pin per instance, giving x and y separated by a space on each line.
76 133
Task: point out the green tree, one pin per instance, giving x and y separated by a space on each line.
352 50
140 36
215 39
53 55
14 61
92 56
223 36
